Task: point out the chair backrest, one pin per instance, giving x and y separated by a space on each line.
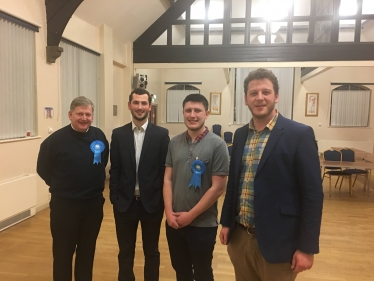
348 155
217 129
227 136
332 155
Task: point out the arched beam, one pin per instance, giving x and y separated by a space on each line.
58 14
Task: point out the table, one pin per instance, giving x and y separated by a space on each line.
351 165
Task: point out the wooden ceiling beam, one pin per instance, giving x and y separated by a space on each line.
58 13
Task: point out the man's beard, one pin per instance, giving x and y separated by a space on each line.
145 116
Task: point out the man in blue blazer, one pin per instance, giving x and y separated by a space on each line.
138 153
271 216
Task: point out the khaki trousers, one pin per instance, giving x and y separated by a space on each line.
250 265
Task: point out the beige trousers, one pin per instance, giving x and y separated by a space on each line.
250 265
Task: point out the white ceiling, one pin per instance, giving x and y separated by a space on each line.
127 18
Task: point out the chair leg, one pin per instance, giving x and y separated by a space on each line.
355 180
340 187
338 181
350 186
366 180
369 177
330 185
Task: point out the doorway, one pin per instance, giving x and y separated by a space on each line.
153 115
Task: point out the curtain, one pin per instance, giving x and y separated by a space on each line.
286 83
17 81
350 108
174 101
79 77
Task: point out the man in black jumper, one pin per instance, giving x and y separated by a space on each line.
72 163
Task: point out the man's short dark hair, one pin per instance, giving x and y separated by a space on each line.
140 91
196 98
259 74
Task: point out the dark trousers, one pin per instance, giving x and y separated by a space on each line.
191 252
126 228
75 225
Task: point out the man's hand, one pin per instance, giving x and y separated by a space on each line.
183 218
224 234
301 261
171 219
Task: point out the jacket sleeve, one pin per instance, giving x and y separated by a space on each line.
229 205
309 179
115 165
163 151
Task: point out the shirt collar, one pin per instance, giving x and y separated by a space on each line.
269 125
144 126
199 137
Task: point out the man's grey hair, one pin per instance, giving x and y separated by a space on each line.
81 101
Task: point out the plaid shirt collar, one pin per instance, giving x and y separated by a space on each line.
199 137
269 125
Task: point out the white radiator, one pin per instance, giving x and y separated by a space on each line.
17 200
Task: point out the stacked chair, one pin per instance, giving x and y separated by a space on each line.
349 156
227 136
335 155
217 129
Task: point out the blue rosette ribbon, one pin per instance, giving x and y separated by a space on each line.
97 147
198 168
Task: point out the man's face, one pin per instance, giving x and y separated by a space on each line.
261 99
81 118
194 115
139 107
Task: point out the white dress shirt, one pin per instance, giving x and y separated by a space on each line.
139 134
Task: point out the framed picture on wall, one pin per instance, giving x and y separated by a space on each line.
215 103
311 104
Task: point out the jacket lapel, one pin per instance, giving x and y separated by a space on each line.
242 138
129 137
275 135
146 141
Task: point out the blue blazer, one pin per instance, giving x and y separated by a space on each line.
288 191
150 171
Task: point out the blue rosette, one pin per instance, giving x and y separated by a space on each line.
197 168
97 147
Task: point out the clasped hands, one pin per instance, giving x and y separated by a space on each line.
179 219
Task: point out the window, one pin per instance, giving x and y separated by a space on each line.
17 78
285 77
174 100
79 77
272 22
350 106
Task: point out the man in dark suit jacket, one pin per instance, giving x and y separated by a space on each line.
138 152
273 206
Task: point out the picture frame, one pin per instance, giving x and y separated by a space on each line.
311 104
48 112
215 103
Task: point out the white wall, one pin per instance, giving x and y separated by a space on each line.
20 156
322 84
214 80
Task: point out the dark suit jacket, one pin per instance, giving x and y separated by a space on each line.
288 191
150 171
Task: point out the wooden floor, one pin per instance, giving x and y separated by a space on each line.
347 245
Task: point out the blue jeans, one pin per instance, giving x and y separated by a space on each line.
191 252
